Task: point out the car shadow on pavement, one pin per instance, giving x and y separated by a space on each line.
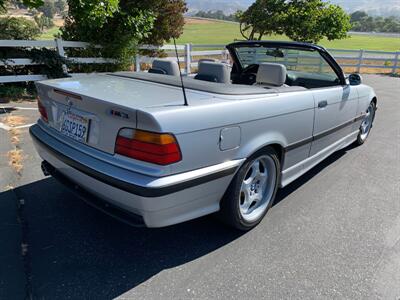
77 252
286 191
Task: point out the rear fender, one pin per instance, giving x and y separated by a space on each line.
261 141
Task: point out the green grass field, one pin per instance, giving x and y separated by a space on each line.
224 33
49 34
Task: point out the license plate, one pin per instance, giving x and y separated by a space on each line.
75 126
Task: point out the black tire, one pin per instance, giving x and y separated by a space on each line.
230 209
362 137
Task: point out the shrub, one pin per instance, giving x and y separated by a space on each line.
60 6
12 91
48 9
118 29
119 26
12 28
43 22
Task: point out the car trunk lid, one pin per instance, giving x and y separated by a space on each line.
106 103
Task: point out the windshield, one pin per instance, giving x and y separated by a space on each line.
294 59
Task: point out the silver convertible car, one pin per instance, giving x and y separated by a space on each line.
144 149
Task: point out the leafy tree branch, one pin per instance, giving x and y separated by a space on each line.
300 20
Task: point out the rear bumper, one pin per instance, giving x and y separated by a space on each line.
114 211
158 201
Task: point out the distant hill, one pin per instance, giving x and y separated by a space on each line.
372 7
227 6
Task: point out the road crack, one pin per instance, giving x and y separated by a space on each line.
26 258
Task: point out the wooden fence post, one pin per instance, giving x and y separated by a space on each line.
321 64
61 52
286 57
360 60
188 58
396 62
137 62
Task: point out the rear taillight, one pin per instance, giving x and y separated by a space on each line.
157 148
43 111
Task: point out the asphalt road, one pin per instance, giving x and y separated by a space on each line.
334 233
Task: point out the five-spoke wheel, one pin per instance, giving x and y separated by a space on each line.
257 188
366 125
252 191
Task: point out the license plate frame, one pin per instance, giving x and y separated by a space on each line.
75 126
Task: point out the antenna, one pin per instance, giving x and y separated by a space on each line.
180 74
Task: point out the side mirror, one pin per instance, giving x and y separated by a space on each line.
355 79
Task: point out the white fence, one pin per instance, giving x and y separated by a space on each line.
357 59
189 55
58 44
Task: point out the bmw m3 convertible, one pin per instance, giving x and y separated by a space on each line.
144 150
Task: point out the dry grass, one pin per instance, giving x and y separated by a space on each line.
15 140
14 121
14 131
199 21
8 187
368 70
58 21
15 134
15 159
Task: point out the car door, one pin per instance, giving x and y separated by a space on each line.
335 111
335 102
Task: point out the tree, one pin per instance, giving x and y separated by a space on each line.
120 25
392 24
264 17
12 28
48 8
169 21
216 14
60 6
114 25
27 3
313 20
357 16
43 22
361 21
300 20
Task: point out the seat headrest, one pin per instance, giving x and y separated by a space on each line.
157 71
213 71
271 74
201 60
170 67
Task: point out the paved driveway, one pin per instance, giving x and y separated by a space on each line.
335 233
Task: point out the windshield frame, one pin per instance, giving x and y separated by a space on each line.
286 45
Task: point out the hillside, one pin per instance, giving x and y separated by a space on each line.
227 6
375 8
372 7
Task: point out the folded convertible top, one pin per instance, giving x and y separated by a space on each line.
198 85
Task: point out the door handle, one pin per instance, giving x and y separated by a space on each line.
322 104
